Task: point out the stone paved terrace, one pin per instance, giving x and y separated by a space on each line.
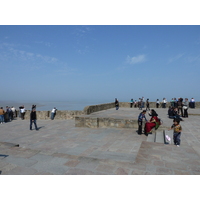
61 148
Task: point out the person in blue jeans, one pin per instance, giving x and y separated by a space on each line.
140 119
33 119
2 112
177 132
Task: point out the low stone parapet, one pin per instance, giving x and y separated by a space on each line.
94 122
65 114
95 108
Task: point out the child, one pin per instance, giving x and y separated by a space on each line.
177 132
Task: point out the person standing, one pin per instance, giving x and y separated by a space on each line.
2 112
175 103
185 108
33 119
192 101
53 113
177 132
172 102
135 104
13 112
180 106
131 103
116 104
164 103
140 120
157 103
8 114
147 104
140 104
22 111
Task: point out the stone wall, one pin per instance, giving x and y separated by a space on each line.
93 122
95 108
65 114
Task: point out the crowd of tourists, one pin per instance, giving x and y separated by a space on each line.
8 114
178 109
179 103
141 103
11 113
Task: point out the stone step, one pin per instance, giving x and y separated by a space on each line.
159 137
151 137
170 134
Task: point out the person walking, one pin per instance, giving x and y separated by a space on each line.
140 120
33 119
2 112
53 113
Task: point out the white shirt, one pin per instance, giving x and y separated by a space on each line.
13 109
23 110
54 110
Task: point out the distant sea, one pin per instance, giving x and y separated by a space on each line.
49 105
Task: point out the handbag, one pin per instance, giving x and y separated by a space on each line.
185 107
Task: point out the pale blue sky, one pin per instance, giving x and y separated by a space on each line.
99 62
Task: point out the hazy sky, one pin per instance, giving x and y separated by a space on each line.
99 62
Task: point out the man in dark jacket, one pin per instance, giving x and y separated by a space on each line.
33 119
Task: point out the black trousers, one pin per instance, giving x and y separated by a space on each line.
185 112
180 108
139 127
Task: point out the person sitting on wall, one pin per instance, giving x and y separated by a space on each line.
153 122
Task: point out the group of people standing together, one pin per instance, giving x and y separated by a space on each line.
179 108
11 113
7 115
140 103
